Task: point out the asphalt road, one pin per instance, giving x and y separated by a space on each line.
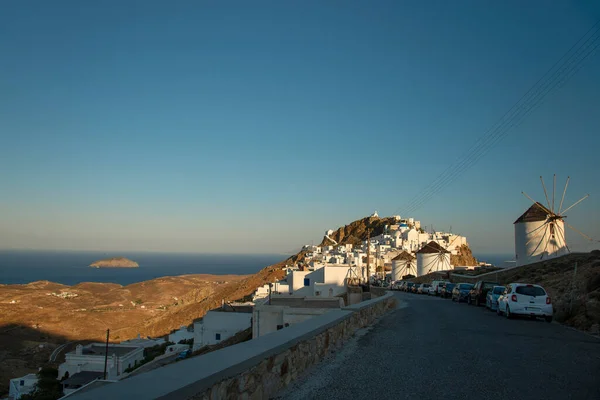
436 349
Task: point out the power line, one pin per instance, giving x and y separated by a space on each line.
573 62
482 146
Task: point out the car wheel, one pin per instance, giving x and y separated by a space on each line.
548 319
508 314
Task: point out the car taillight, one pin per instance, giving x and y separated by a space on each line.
548 300
513 297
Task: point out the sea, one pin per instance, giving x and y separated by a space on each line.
70 268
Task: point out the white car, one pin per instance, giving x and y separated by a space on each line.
435 288
525 299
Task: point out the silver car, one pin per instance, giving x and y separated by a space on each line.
491 300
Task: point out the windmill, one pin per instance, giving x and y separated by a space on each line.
403 264
540 231
432 258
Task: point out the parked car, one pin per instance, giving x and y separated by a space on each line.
447 290
414 288
491 300
479 291
184 354
408 287
423 288
525 299
461 291
436 287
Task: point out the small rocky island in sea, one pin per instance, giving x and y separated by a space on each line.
115 262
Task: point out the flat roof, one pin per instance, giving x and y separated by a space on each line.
83 377
100 350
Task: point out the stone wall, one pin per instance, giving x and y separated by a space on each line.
277 371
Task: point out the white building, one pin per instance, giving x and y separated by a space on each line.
537 237
284 312
403 264
220 324
145 343
431 258
20 386
182 334
91 358
320 281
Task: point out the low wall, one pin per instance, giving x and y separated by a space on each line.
256 369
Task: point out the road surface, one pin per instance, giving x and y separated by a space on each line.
437 349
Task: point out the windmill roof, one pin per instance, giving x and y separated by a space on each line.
537 212
404 256
432 247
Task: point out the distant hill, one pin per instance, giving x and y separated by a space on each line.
115 262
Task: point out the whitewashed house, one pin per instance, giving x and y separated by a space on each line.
20 386
182 334
91 358
145 343
285 312
221 324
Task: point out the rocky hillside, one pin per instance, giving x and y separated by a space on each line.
463 258
355 232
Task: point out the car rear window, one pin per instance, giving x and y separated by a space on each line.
530 290
489 285
465 286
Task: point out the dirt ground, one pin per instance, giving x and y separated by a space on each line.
37 317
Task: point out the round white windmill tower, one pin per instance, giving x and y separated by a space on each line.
403 264
540 231
431 258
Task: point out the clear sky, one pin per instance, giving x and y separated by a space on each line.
239 126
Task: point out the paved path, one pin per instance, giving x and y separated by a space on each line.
436 349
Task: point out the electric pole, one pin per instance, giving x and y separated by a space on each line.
368 255
106 353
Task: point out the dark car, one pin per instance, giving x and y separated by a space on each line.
461 291
447 290
184 354
479 292
408 287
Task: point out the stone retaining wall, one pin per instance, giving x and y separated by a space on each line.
277 371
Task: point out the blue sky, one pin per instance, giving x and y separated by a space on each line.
255 126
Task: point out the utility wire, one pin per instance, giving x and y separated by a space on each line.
572 62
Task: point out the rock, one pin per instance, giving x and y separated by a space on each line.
115 262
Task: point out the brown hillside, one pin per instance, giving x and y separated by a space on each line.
355 232
464 257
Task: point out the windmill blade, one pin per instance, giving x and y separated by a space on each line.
563 196
545 192
547 243
539 244
544 225
581 233
553 192
577 202
538 228
564 239
535 202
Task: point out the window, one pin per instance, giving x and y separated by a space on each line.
530 290
306 281
217 336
